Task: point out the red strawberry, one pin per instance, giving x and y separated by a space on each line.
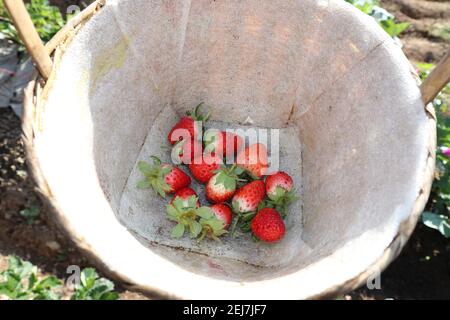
222 186
203 169
222 143
278 185
254 159
177 179
186 151
185 194
248 198
187 126
223 213
163 178
279 189
268 225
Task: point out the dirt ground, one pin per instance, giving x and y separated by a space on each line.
421 272
428 37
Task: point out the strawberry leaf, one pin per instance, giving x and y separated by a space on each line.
234 225
212 228
279 193
178 231
144 167
254 238
220 178
165 171
214 225
156 161
229 183
155 176
246 226
197 115
205 213
178 203
248 216
172 213
238 171
160 187
195 229
144 184
192 202
217 226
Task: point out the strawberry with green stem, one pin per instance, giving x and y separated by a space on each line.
268 225
222 186
212 226
246 201
248 198
187 125
185 194
223 212
163 178
280 191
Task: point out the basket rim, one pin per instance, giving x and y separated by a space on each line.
35 91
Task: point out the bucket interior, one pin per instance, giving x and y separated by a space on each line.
353 131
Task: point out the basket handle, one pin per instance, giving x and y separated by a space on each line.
29 35
437 79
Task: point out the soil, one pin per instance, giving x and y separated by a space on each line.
428 37
39 242
422 271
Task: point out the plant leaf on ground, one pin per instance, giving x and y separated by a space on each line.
438 222
384 18
30 214
20 281
92 287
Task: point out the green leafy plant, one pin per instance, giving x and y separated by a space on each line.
20 282
46 18
393 28
92 287
437 216
438 222
30 214
384 18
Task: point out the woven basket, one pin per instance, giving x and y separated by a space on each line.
360 139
